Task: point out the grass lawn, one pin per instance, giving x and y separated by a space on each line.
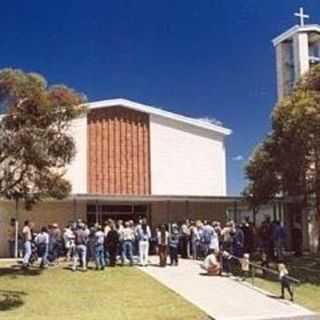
307 270
117 293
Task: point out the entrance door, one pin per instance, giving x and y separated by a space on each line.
102 212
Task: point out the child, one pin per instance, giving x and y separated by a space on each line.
226 263
285 281
245 266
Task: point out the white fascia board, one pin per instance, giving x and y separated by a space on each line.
292 31
159 112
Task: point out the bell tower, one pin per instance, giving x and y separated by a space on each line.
297 49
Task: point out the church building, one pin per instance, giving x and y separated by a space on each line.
297 50
134 160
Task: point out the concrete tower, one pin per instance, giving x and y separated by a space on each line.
297 50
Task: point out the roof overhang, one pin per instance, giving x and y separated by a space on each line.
116 198
295 29
153 198
155 111
158 112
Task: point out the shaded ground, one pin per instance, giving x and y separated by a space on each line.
307 270
118 293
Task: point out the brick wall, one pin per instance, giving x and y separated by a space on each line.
44 213
118 142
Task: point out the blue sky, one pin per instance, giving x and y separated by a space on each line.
208 58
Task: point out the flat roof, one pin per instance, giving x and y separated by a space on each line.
292 31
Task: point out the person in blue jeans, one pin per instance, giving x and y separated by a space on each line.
99 248
27 238
81 240
55 243
127 236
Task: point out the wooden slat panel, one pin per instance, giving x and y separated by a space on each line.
119 152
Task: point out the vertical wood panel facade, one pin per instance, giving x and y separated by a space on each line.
119 151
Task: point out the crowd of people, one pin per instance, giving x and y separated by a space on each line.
127 242
81 244
120 242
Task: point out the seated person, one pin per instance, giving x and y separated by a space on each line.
211 264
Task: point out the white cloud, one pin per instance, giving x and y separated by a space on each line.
211 120
239 157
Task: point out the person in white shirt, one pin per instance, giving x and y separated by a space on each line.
214 240
42 242
69 242
285 281
195 239
144 236
245 265
211 264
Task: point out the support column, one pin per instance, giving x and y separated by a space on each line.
75 215
274 211
168 214
97 212
254 216
235 211
16 242
149 215
187 209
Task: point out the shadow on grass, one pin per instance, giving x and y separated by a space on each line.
306 269
10 300
17 271
303 274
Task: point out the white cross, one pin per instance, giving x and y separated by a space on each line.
302 16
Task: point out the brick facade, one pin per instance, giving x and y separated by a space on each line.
42 214
119 153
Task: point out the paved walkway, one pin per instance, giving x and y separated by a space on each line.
224 298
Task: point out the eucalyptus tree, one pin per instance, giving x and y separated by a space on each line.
288 160
35 140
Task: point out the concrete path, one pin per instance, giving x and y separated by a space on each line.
224 298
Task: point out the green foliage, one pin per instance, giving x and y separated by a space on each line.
288 161
261 173
35 141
